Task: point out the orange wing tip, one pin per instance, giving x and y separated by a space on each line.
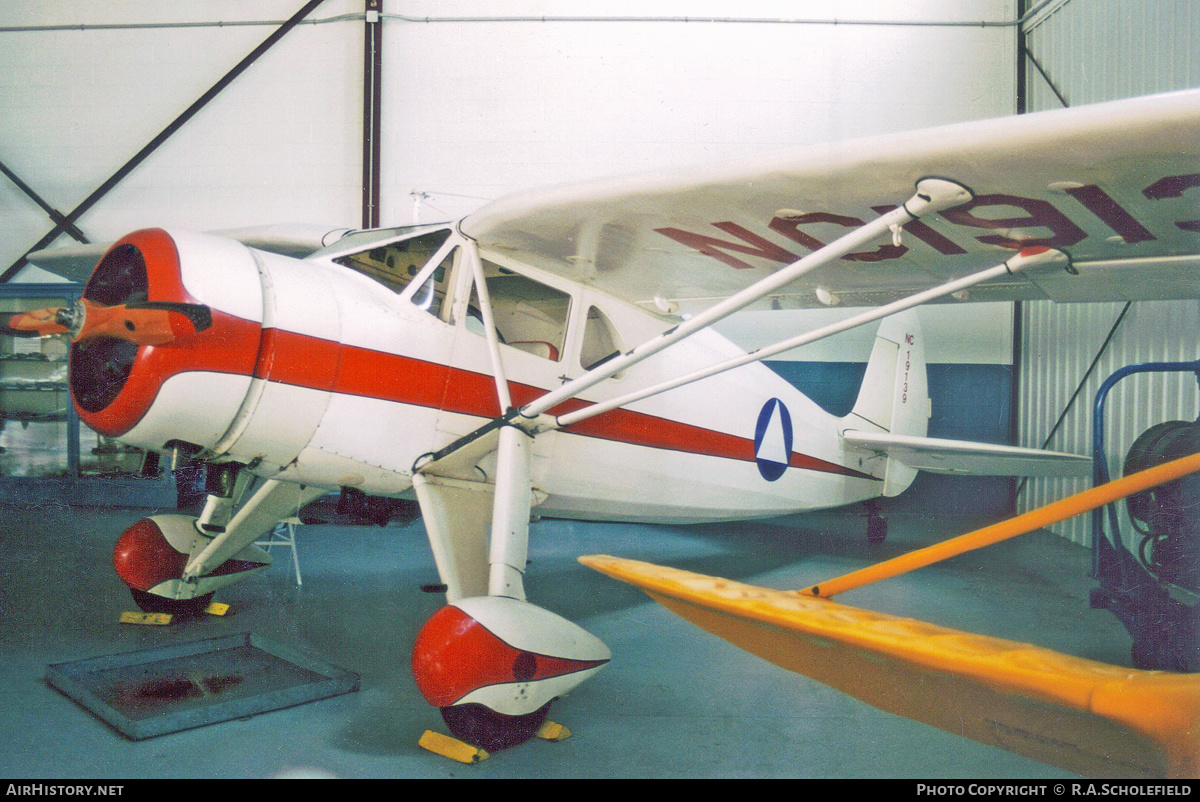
1081 715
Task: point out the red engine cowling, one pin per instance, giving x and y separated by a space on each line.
247 376
191 387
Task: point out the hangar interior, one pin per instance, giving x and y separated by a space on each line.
125 114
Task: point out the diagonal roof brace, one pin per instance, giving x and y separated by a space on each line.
55 214
70 218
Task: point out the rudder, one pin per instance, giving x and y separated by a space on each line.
894 396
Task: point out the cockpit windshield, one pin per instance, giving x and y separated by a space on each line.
394 264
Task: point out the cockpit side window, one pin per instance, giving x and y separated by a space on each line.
600 340
529 316
434 290
396 264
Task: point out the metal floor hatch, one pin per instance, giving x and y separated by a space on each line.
158 691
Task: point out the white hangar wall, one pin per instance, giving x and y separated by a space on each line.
1088 51
481 98
280 144
487 99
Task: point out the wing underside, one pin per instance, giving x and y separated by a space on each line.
1114 186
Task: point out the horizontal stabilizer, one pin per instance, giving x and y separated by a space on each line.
962 457
1080 715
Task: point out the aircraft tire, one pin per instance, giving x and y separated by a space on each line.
480 725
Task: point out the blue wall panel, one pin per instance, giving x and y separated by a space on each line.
970 402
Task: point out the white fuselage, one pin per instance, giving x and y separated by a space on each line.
353 382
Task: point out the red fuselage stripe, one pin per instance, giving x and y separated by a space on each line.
392 377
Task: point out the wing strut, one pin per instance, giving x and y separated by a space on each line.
1026 258
508 543
932 195
489 328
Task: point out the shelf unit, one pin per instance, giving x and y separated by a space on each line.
33 370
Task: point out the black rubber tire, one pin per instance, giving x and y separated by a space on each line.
484 727
184 608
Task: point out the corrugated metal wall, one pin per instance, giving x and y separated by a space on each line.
1095 50
1091 51
1059 343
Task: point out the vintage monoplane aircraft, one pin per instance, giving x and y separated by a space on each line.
505 362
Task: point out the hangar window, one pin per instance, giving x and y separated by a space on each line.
529 315
396 264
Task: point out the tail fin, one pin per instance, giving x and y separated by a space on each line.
894 397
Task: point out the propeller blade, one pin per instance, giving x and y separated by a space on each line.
139 322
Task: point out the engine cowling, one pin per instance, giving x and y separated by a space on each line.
190 388
247 376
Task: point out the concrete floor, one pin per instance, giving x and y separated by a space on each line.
674 702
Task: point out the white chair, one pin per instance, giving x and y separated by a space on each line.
284 536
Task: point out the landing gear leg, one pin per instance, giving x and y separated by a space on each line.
877 525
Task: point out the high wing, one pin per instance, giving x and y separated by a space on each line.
1114 186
